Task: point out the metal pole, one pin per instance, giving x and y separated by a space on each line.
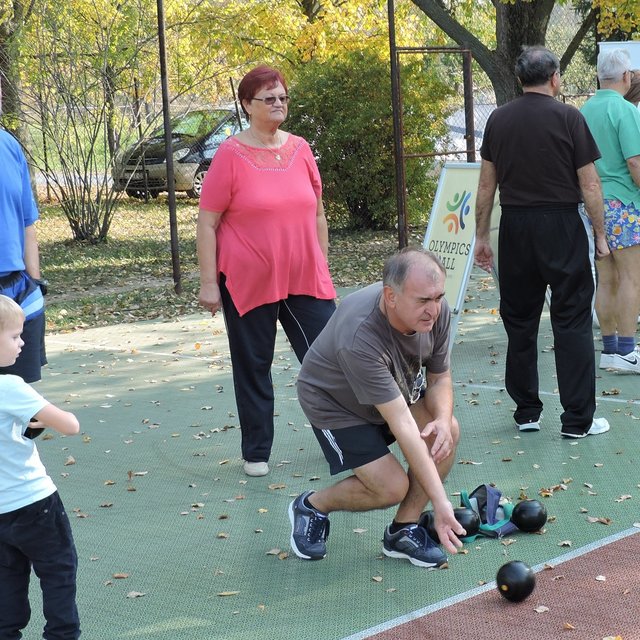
171 187
469 122
136 102
397 130
235 102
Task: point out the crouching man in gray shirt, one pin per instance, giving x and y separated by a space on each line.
362 388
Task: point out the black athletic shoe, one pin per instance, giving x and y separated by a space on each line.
413 543
309 530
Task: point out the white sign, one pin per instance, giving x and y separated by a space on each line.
632 47
451 230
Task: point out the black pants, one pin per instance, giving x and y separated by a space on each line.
252 340
38 535
540 247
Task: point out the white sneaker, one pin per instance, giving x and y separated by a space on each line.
534 425
256 469
629 363
529 426
598 426
606 360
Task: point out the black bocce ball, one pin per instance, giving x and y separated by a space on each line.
529 515
515 580
468 518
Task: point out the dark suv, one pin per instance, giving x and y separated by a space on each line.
142 168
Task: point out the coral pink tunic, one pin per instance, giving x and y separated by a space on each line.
267 240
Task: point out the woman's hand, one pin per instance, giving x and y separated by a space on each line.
209 297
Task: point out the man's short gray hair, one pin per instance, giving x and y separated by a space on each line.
612 64
397 267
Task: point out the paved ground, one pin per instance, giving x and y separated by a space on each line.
176 543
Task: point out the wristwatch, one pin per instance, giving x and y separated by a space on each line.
43 284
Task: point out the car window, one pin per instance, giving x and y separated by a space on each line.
195 123
213 141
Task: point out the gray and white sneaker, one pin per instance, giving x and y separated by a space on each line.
414 544
309 530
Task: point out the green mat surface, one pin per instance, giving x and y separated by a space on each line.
176 543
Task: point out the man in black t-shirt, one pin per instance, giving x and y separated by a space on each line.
540 153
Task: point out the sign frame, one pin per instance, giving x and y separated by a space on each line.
451 231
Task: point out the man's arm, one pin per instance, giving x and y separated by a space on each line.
487 185
31 253
438 401
633 165
594 205
401 423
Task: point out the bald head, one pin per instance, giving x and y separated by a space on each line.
399 265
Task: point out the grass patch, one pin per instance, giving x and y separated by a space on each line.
129 277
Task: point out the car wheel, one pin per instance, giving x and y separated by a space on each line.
198 179
139 194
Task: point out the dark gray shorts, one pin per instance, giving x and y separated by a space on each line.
353 447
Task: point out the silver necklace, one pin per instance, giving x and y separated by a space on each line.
274 152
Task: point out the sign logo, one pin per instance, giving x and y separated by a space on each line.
454 221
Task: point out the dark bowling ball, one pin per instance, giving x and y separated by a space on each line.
529 515
468 518
515 580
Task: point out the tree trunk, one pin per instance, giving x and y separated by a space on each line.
519 23
11 104
11 107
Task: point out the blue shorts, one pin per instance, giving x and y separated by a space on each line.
353 447
621 224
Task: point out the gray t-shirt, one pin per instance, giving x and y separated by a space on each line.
360 360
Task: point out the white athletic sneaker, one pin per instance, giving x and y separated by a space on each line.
606 360
529 426
256 469
598 426
628 364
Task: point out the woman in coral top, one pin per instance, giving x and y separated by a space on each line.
262 248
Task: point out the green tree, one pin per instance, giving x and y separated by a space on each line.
517 23
342 107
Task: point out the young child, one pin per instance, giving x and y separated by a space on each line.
34 528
